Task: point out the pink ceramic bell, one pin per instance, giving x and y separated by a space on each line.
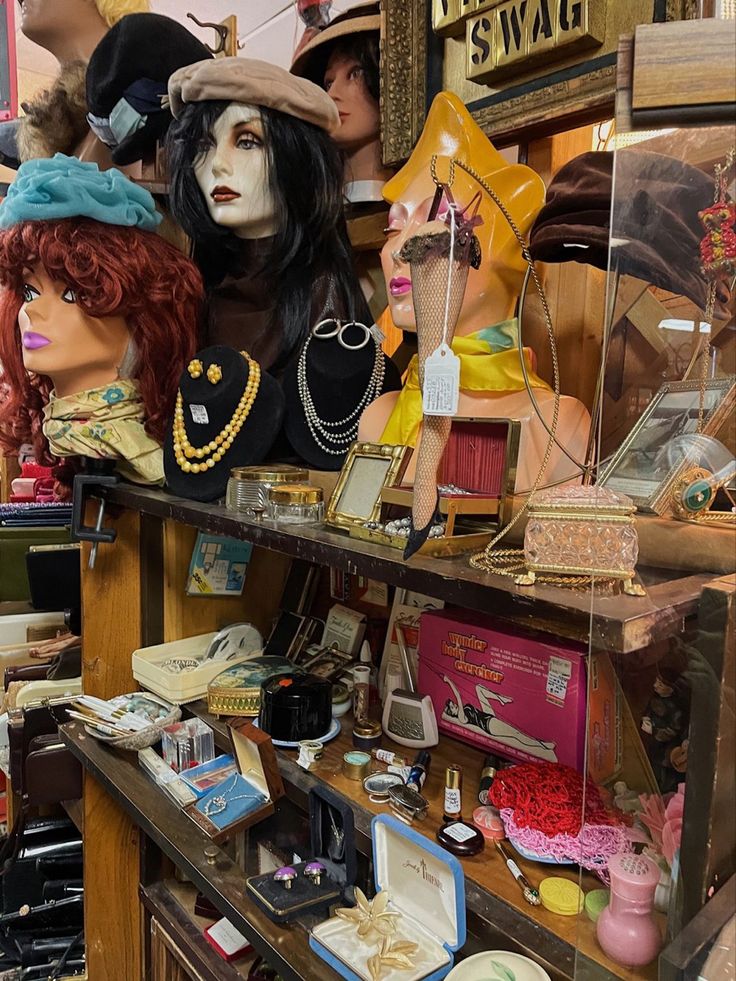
626 929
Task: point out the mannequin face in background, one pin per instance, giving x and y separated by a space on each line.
345 83
75 350
47 21
232 173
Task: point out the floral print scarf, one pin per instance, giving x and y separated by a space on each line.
105 423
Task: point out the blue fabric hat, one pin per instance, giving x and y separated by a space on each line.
65 187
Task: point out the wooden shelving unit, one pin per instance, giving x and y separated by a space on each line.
135 597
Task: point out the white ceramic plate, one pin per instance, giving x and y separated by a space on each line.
329 735
497 965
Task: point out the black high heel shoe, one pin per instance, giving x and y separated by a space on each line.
418 536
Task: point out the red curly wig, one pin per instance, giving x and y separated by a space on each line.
113 270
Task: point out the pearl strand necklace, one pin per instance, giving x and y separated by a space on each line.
321 429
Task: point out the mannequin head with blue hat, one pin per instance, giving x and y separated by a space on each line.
93 301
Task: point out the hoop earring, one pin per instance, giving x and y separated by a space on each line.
326 336
353 347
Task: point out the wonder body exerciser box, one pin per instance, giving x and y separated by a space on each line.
515 693
426 885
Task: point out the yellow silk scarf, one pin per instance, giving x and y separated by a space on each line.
489 362
105 423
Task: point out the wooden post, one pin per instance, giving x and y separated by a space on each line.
9 470
111 605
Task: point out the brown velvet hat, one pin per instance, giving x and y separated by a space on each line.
255 83
656 225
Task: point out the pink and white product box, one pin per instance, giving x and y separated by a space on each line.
519 694
426 885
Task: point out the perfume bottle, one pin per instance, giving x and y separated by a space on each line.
456 835
626 929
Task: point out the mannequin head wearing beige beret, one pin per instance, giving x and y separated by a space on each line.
251 159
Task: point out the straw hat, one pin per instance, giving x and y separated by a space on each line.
312 59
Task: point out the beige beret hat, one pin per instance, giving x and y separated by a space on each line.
256 83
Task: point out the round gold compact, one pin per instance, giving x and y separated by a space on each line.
355 765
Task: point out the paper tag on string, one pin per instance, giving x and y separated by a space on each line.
199 414
441 389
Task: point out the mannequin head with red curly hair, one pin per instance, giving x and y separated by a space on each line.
125 281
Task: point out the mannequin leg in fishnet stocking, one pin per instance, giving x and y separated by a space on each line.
429 275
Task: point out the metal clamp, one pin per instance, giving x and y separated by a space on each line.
83 482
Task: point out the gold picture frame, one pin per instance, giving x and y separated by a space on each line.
368 468
642 468
412 71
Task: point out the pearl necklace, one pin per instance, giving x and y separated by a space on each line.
183 449
324 432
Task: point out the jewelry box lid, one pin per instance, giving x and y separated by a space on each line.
256 758
237 689
426 882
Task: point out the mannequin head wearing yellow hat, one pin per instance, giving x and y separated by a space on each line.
71 30
493 290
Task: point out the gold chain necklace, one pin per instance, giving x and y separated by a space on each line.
212 452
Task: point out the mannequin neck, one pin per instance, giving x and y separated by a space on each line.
78 42
364 163
71 383
498 301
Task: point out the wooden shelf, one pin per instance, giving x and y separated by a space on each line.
285 948
615 622
172 904
494 899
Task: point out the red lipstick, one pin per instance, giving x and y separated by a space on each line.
222 194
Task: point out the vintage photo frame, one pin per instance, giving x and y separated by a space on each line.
368 468
640 467
411 74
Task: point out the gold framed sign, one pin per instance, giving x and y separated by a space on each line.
368 468
661 444
523 67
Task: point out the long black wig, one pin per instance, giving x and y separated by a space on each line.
310 253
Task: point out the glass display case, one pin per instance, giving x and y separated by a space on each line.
667 441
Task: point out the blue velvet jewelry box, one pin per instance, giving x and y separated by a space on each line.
427 887
247 796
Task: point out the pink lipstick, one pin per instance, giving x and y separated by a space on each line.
32 341
399 285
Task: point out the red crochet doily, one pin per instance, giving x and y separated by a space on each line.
549 798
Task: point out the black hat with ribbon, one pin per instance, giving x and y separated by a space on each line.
127 79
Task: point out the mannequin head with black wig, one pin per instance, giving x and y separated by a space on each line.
258 190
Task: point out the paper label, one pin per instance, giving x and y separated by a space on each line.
453 801
345 629
227 937
199 414
441 389
460 832
558 676
378 336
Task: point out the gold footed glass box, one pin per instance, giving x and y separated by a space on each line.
581 531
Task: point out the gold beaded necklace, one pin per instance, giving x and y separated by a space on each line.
210 454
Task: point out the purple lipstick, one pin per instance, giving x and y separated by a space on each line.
32 341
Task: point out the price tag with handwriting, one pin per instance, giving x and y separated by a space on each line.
441 389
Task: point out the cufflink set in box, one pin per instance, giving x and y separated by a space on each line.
416 921
321 881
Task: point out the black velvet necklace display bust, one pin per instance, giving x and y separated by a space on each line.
337 379
208 409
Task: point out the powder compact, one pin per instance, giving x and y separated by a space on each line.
407 804
377 785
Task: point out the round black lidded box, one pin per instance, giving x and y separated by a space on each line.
296 706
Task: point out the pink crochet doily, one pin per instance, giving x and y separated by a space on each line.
591 847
